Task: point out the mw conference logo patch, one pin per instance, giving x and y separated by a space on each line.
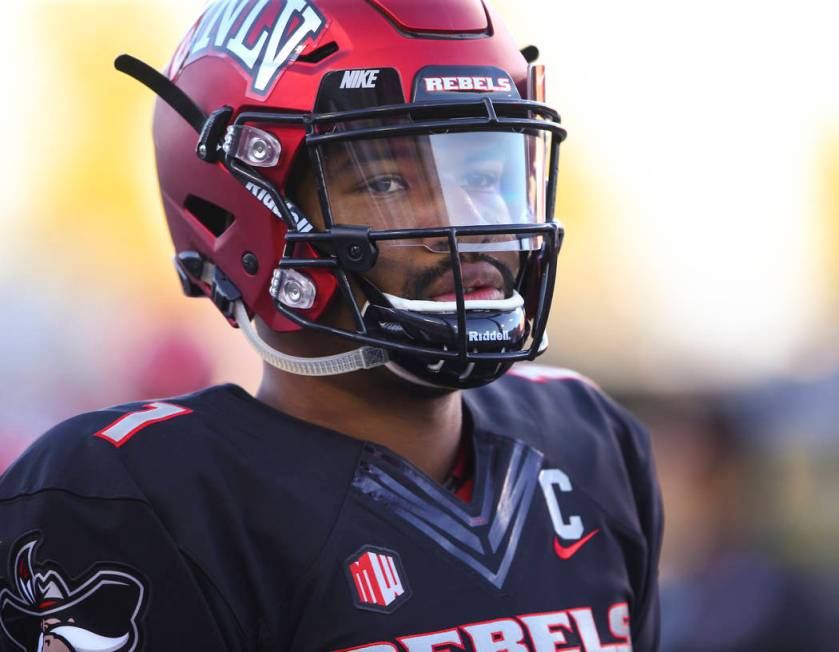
377 580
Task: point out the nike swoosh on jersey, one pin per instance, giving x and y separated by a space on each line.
566 552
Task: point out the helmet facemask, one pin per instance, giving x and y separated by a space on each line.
420 194
437 235
435 224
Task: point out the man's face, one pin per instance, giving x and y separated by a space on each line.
426 182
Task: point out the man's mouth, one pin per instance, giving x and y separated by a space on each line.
472 294
481 282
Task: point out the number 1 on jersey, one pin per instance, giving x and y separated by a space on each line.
128 425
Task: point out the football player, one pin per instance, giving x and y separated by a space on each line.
366 190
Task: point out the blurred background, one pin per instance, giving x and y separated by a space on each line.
699 281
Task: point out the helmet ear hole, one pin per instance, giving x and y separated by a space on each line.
211 216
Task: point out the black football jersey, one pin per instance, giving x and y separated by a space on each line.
214 522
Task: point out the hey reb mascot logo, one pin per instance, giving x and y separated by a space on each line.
44 610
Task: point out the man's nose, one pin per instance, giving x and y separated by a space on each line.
460 205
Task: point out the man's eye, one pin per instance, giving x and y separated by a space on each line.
387 185
480 180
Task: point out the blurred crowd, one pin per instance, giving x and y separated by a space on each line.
749 484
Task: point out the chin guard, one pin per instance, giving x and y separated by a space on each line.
492 328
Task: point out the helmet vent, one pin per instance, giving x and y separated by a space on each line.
319 54
214 218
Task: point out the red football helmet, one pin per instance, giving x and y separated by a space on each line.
390 154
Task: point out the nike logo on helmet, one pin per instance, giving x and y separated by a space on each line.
359 79
566 552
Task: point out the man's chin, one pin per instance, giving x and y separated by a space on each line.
399 379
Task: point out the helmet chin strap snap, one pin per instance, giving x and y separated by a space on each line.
365 357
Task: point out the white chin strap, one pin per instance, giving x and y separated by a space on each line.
365 357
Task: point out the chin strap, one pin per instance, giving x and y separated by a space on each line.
365 357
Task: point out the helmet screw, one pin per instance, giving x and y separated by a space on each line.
259 149
250 263
354 252
202 151
294 291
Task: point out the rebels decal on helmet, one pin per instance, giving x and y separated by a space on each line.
258 39
439 82
467 84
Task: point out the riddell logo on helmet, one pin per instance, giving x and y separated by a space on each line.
300 222
489 336
467 84
262 37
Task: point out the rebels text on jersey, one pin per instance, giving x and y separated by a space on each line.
213 522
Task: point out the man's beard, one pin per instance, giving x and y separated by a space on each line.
418 286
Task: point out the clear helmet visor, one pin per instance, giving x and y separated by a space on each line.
442 180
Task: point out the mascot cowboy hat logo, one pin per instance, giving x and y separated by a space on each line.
45 611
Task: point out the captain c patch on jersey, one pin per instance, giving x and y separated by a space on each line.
555 482
41 608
